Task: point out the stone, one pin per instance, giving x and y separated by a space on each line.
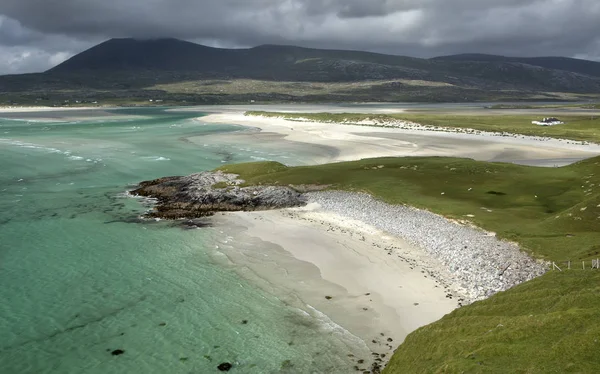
201 195
225 366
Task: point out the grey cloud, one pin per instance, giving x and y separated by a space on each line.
28 59
412 27
13 34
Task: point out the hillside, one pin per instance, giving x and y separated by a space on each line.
122 71
573 65
288 63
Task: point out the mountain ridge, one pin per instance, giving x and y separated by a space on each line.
292 63
186 72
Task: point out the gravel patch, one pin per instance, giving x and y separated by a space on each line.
480 264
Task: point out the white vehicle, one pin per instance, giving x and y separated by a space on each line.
551 121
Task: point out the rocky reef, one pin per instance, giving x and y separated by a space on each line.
203 194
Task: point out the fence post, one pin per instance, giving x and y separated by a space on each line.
569 266
583 265
554 266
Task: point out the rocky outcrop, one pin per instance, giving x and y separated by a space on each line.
203 194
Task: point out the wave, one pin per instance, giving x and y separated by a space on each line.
156 158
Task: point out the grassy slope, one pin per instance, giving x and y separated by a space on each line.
547 325
578 127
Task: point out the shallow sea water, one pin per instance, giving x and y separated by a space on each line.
82 276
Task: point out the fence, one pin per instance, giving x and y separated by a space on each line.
573 265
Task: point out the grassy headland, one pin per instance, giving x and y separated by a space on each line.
552 212
545 325
580 127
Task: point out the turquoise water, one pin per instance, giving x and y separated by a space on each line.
83 276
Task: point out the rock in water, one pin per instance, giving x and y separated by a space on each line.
225 366
203 194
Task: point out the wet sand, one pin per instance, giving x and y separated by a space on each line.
353 142
376 286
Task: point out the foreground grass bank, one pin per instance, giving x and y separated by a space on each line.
580 127
548 325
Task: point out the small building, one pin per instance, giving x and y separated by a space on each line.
550 121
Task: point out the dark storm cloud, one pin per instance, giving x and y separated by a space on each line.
411 27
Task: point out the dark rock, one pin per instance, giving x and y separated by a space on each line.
117 352
225 366
162 324
328 297
194 196
244 322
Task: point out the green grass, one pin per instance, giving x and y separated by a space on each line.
580 127
553 213
545 106
548 325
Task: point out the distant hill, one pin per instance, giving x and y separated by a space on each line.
262 62
573 65
181 71
288 63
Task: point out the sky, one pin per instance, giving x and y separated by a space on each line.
38 34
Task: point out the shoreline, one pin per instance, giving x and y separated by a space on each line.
29 109
381 282
375 286
355 142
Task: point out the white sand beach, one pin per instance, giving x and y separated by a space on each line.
32 109
381 287
354 142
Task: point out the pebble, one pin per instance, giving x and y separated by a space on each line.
478 264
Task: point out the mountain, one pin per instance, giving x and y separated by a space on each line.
262 62
158 54
289 63
573 65
127 70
